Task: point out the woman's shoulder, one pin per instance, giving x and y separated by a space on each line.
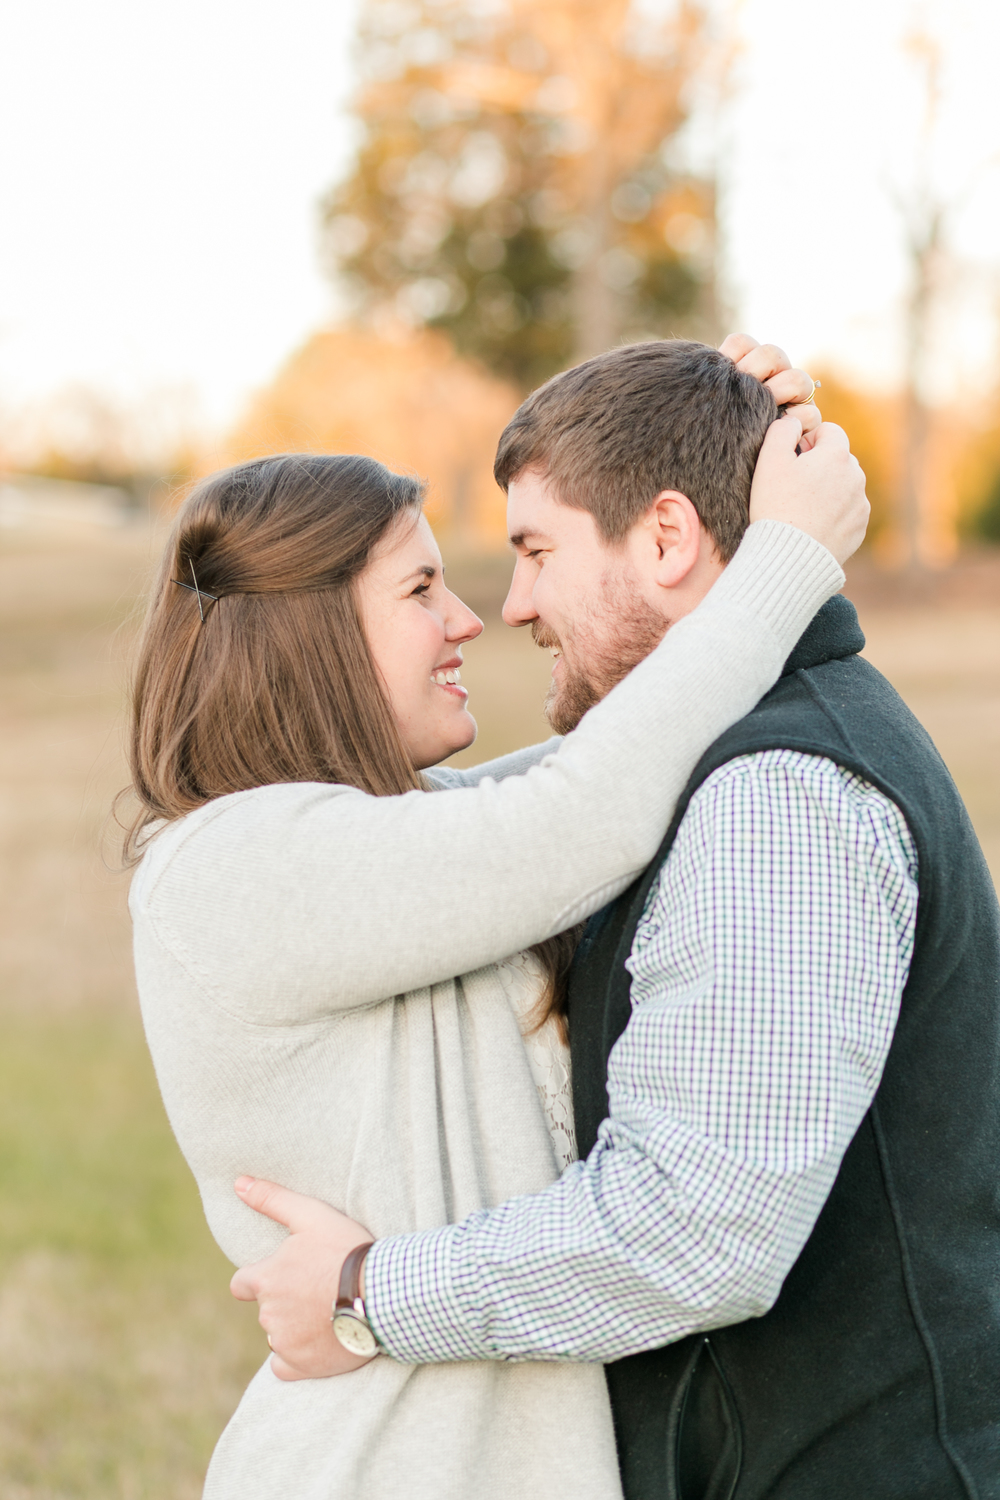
235 825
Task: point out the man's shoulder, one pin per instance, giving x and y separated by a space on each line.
775 769
834 707
761 793
781 815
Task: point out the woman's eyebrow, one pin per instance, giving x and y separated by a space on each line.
425 570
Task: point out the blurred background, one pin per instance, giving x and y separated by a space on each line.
374 225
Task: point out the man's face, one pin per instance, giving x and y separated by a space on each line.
585 599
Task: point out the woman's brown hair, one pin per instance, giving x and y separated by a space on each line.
253 666
276 683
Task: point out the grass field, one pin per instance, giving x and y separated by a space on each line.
124 1353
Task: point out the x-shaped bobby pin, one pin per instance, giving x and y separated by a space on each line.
194 589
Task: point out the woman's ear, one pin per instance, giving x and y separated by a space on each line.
675 531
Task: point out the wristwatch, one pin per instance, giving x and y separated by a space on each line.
349 1319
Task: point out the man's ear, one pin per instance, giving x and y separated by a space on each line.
675 530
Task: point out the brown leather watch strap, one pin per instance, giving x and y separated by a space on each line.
350 1276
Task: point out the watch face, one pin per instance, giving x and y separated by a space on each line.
356 1337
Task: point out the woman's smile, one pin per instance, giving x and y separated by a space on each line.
410 616
449 677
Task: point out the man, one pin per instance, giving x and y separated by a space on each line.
783 1235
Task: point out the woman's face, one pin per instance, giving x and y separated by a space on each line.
415 629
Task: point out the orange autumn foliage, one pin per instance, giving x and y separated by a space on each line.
410 401
872 423
960 467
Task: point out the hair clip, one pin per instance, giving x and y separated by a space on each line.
194 589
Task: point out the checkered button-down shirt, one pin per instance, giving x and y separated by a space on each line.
767 975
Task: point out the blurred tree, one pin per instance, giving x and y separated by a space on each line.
89 435
411 402
959 455
986 524
979 477
873 425
924 216
518 185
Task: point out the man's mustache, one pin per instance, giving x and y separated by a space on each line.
544 636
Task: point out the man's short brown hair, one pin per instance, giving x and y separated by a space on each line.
614 432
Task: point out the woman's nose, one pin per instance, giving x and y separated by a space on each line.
461 624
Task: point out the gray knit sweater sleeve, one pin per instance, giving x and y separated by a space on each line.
444 778
291 902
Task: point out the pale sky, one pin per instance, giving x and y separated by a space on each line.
161 168
824 143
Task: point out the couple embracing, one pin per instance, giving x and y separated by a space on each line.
697 1200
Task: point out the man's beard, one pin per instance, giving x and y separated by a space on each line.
613 640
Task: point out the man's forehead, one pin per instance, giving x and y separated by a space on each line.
533 510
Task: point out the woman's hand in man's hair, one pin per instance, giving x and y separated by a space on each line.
789 387
297 1285
822 492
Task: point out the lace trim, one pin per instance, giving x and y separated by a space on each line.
548 1055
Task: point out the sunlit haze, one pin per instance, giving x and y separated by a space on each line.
163 167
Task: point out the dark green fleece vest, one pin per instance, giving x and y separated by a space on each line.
876 1375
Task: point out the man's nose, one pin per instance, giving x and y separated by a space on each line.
518 608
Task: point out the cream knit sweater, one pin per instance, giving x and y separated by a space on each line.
296 948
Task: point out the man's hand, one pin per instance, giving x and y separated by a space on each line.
297 1285
772 367
822 492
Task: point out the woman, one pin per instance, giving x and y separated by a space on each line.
303 906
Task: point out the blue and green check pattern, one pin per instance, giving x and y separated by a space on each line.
767 975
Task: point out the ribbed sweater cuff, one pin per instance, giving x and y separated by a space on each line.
781 575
